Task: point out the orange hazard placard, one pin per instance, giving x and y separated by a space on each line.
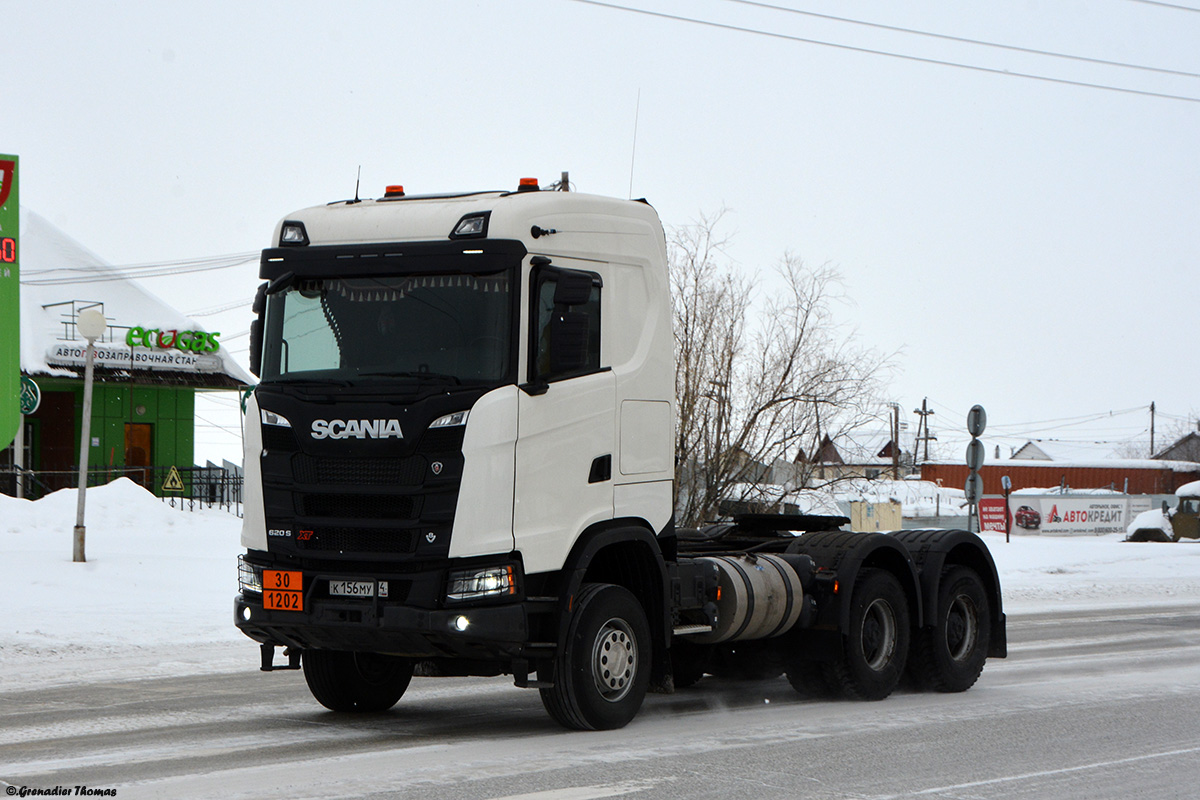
283 590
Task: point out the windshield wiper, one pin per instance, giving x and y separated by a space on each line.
310 381
437 376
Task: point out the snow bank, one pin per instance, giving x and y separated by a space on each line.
155 596
157 586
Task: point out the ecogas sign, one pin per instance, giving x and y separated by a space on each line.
185 341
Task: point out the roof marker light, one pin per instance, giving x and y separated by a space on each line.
292 234
528 185
472 226
394 190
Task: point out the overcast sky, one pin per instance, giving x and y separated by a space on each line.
1024 244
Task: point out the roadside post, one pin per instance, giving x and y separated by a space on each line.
976 422
91 325
1006 484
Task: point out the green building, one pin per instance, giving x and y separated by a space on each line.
148 366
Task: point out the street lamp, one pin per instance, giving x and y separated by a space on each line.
91 325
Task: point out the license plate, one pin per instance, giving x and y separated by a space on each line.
357 588
283 590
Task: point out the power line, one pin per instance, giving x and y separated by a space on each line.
1175 6
964 40
1066 421
212 310
102 273
918 59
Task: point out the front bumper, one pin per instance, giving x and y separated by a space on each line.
415 619
498 631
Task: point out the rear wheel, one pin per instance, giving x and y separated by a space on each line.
602 674
809 679
362 682
948 656
875 648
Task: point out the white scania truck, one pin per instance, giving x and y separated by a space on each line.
459 461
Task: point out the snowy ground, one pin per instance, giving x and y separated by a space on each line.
155 596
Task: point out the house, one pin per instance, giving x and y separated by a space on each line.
1186 448
148 365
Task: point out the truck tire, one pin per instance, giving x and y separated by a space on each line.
359 682
808 678
602 673
875 648
948 655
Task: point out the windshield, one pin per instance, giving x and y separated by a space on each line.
451 328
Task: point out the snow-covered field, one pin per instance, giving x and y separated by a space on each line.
155 596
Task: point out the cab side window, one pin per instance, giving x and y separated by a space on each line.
566 324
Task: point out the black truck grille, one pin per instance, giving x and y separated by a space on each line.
442 440
359 540
359 471
277 439
359 506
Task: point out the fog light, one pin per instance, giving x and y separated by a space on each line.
246 613
461 623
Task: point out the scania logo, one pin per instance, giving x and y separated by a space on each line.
356 429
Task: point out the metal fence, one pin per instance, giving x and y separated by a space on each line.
185 488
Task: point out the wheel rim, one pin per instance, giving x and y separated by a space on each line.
614 659
879 634
962 627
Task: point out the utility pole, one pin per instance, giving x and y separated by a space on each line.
895 441
1152 429
924 411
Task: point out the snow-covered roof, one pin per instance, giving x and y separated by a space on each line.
1082 463
1189 490
59 277
1031 451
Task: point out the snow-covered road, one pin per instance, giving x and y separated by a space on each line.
1090 704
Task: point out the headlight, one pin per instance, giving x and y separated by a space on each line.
271 418
473 584
249 577
450 420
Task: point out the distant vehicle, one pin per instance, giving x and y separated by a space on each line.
1183 520
1027 518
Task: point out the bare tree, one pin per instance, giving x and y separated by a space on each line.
1171 430
760 382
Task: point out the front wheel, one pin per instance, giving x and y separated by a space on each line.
361 682
948 656
875 648
602 674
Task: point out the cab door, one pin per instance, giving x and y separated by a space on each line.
565 419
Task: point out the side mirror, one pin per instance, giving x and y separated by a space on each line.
256 329
256 347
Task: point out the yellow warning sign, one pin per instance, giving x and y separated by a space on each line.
173 483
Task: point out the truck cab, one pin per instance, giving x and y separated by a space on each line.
405 343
